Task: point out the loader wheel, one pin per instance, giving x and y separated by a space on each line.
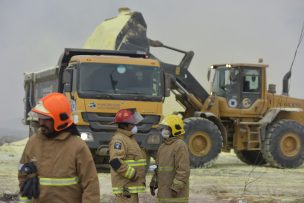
251 157
204 141
284 144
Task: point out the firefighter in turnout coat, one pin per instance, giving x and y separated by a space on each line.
171 176
56 165
127 159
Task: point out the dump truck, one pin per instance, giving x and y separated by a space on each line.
98 83
239 113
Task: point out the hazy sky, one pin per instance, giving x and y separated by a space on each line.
34 34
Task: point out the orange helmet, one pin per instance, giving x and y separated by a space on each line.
128 116
56 106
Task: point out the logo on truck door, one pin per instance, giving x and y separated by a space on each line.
92 105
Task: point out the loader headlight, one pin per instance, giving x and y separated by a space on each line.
87 136
153 139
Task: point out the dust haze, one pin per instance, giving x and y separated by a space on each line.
34 34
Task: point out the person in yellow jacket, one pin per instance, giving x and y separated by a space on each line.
127 159
56 165
171 176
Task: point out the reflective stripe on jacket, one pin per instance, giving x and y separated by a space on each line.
131 189
24 199
133 163
173 171
132 159
58 181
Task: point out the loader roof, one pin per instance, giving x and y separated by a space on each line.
232 65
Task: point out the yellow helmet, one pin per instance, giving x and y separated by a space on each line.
175 123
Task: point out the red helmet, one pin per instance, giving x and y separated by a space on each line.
56 106
128 116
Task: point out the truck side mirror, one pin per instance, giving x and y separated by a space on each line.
167 84
67 80
208 74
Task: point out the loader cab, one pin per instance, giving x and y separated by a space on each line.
240 84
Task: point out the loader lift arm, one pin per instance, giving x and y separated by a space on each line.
127 31
188 91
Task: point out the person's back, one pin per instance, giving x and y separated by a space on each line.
173 165
59 157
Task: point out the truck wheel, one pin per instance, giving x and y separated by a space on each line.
251 157
284 144
204 141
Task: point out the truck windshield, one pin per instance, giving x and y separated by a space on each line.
123 80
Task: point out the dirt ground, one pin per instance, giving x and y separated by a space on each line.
229 180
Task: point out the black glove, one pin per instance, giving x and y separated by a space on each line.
30 187
152 190
153 184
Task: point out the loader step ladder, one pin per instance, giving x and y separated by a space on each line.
253 132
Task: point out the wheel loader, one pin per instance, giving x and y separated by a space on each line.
240 112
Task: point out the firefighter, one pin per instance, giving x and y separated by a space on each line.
171 176
127 159
56 165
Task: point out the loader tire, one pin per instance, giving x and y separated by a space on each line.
251 157
204 141
284 144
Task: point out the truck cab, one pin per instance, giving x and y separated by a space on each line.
98 84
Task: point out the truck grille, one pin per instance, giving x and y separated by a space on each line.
103 121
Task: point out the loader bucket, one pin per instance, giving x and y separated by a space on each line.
127 31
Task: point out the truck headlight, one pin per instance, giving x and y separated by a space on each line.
153 139
87 136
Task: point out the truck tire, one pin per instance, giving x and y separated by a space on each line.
251 157
204 141
284 144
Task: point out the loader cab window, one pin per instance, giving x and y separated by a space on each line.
251 80
225 81
251 86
